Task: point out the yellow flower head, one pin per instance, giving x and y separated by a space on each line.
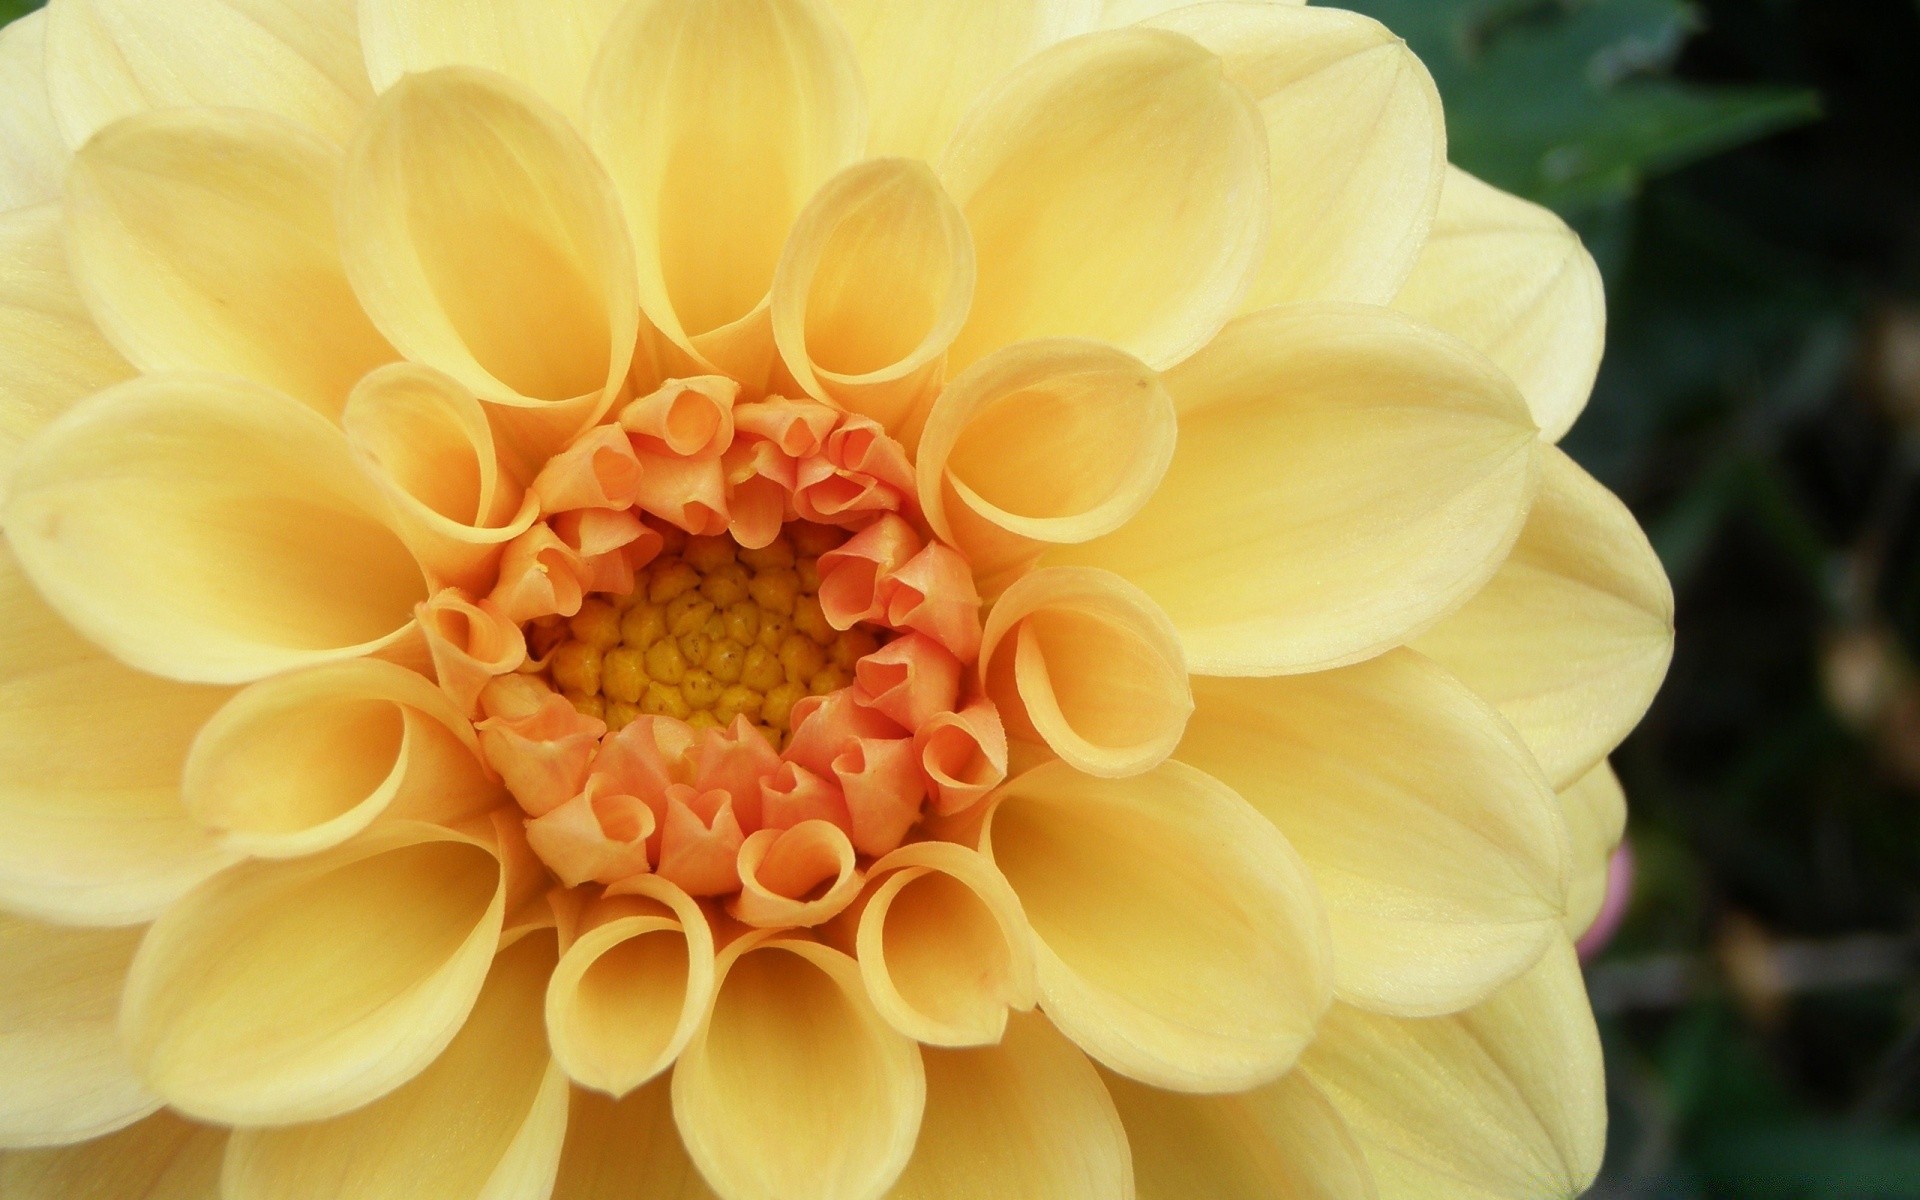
790 600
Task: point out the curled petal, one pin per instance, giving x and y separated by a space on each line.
688 492
599 470
782 869
547 48
853 577
609 544
471 644
161 1157
794 1088
539 743
823 725
943 946
799 427
881 780
1094 666
911 679
33 158
1596 812
540 576
934 594
794 795
692 418
627 1150
859 472
964 755
700 841
599 836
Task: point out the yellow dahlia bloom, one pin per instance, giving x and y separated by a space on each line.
790 600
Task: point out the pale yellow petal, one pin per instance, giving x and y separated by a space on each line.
92 830
1086 662
1596 812
1571 639
1180 940
627 1150
301 762
1508 276
484 1122
549 47
926 64
1282 1141
1356 143
1505 1101
51 352
873 286
1023 1119
204 239
711 187
63 1076
794 1088
1344 478
944 947
32 154
1043 443
1116 189
283 992
542 322
161 1158
1126 12
299 59
1435 843
208 529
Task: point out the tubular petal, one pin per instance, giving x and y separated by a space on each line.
548 47
541 324
1178 935
284 992
964 756
470 643
301 762
1096 668
711 189
1116 186
51 352
509 1097
211 530
1505 1101
91 826
1283 1141
1022 1119
1435 843
108 59
943 946
204 239
627 1150
1356 143
782 869
1571 638
1596 812
1046 442
1344 477
33 157
1509 277
161 1158
873 286
794 1088
63 1076
630 991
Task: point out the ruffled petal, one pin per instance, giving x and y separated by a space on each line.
487 1119
1505 1101
1116 186
627 1150
33 156
63 1076
284 992
1570 640
1596 812
161 1158
1022 1119
204 239
548 47
1179 938
1509 277
1344 477
794 1088
208 529
1434 841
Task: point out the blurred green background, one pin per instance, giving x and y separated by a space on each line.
1748 174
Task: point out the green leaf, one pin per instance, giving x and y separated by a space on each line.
13 10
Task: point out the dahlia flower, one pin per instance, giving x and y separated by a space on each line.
791 600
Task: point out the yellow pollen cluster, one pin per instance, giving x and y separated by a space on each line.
711 631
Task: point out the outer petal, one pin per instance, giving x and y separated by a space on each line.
627 1150
283 992
1022 1119
299 59
1180 941
1506 1100
1571 639
486 1120
1116 189
204 239
1434 840
1283 1141
63 1076
1356 143
549 47
1125 12
51 352
161 1158
208 529
1596 811
1343 478
795 1089
91 825
32 154
925 64
1508 276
